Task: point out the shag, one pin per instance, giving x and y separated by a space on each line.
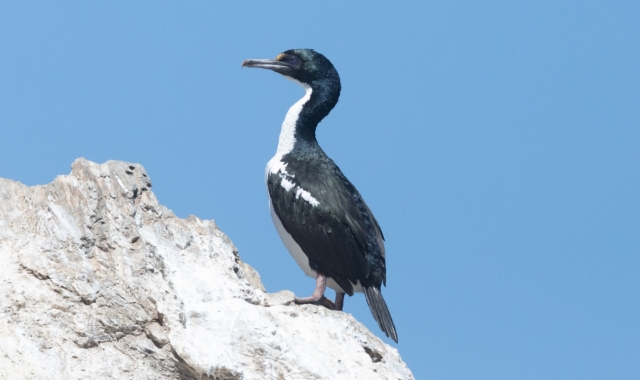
320 216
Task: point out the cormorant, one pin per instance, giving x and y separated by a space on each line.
320 216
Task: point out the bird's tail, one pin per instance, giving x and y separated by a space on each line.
380 311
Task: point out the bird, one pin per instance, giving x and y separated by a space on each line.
318 213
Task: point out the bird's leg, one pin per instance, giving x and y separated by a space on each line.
339 300
318 298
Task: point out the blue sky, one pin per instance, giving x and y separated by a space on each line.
497 144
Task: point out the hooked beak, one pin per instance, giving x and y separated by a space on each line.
270 64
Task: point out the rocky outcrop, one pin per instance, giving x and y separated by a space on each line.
99 281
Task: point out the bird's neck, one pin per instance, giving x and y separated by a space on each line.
299 126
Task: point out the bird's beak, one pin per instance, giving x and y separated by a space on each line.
270 64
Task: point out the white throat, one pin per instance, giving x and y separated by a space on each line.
286 143
287 133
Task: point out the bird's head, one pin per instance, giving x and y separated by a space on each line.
303 65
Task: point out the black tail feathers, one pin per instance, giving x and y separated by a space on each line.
380 311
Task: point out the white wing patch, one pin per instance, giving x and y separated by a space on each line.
288 185
300 192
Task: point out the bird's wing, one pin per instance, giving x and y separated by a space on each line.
333 226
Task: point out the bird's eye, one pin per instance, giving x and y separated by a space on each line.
289 59
292 60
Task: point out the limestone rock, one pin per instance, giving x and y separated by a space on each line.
99 281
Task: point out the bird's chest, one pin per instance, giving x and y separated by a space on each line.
274 166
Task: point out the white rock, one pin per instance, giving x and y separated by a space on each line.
99 281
